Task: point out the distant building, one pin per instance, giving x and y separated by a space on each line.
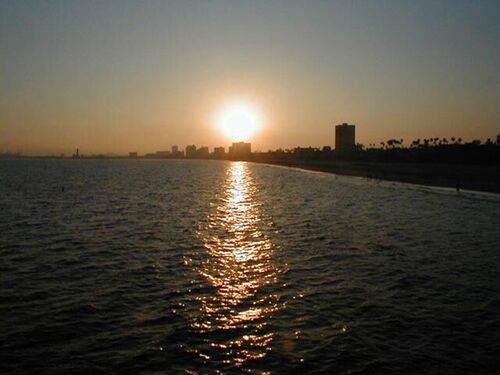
176 153
345 137
158 155
240 151
77 154
162 154
202 153
190 151
132 155
219 153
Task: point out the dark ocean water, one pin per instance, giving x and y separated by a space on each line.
162 267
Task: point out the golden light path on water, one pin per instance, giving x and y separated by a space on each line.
238 267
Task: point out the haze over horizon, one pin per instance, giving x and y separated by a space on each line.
120 76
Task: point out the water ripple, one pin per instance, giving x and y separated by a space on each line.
144 266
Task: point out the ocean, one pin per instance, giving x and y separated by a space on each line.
197 266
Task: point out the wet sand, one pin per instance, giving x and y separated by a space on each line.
469 177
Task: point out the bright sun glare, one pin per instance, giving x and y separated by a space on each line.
239 121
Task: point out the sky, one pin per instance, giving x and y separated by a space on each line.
120 76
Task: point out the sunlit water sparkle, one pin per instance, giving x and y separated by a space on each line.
143 266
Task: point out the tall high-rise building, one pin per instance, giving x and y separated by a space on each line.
240 151
345 137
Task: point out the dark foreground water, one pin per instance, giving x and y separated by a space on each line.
161 267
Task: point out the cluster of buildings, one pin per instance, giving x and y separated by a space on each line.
237 151
174 153
345 141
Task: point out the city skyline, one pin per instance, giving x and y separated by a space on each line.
113 77
249 186
174 150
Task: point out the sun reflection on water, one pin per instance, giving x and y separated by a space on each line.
239 267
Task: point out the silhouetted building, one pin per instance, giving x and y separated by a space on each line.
202 153
176 153
77 154
345 137
219 153
162 154
191 151
240 151
132 155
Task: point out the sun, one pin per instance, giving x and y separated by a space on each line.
239 121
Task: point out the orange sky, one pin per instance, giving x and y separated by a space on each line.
113 77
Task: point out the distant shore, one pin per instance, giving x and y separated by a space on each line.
485 178
468 177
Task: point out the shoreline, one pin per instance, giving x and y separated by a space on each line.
468 177
479 178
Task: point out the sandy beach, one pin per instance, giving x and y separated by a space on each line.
469 177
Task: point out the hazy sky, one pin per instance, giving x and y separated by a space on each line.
118 76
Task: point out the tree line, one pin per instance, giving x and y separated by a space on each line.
427 150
